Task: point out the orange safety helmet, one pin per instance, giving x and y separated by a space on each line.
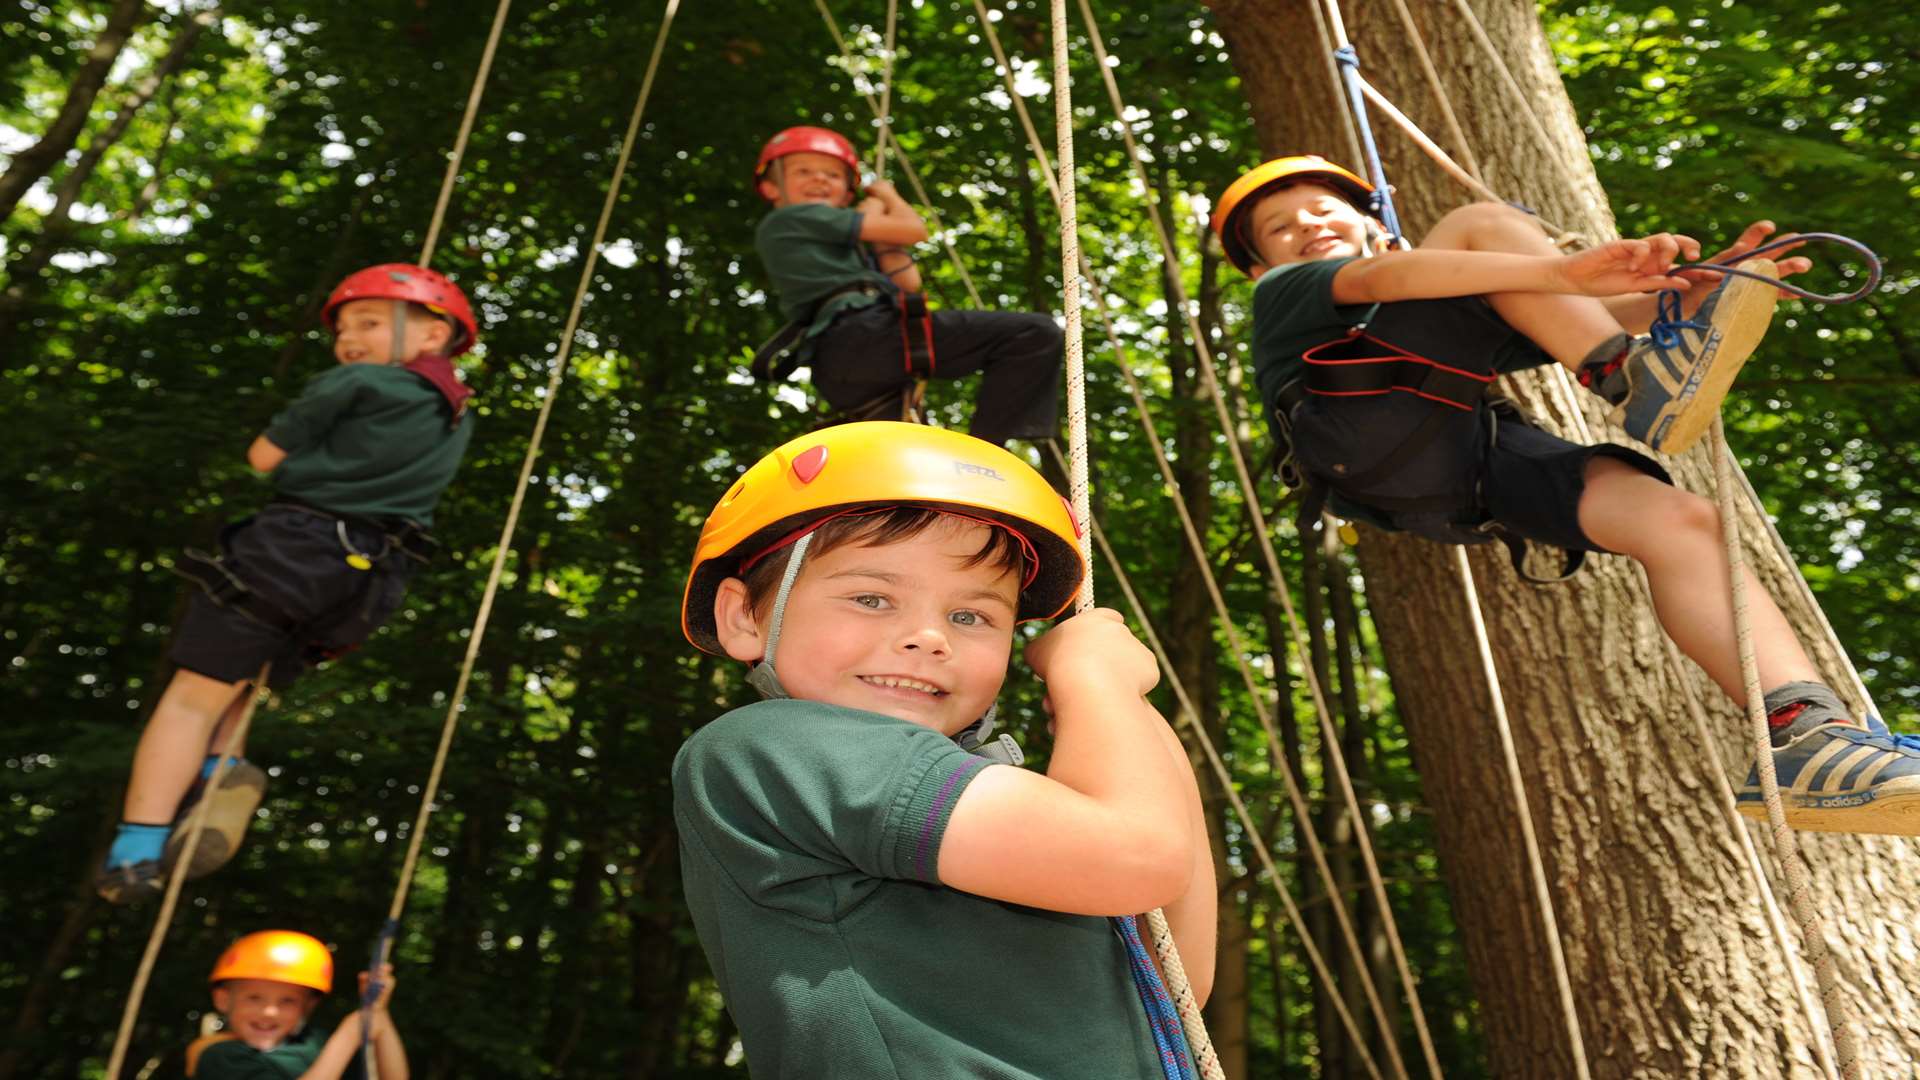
416 284
875 465
286 956
1241 195
808 140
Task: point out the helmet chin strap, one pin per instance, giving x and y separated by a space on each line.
763 678
397 357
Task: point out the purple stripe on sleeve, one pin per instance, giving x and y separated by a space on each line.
937 812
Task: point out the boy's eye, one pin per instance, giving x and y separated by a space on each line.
870 600
969 618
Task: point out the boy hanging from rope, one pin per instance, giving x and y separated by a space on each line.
1373 364
358 462
847 284
876 896
266 987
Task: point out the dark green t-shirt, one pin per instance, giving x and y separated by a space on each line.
810 845
225 1057
810 250
369 439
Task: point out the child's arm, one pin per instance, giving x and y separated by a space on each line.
345 1042
1621 266
263 456
889 225
1194 917
1109 829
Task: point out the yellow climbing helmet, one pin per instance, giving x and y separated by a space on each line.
876 465
286 956
1240 198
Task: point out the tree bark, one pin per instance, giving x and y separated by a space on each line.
36 161
1673 971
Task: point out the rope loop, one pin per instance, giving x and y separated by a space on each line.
1347 56
1874 268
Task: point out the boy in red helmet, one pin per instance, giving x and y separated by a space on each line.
1374 363
880 894
266 987
846 281
358 462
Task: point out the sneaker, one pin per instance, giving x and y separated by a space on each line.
132 883
1842 778
1677 375
229 811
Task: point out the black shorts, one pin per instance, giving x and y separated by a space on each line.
294 559
1481 466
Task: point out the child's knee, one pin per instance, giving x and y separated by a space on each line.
1460 226
1676 513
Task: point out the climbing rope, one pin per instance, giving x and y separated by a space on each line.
196 825
1839 1020
1813 932
885 112
1171 968
884 115
1536 865
478 633
1277 580
466 128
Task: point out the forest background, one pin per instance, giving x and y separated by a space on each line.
161 275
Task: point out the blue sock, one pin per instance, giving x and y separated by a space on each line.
137 843
213 761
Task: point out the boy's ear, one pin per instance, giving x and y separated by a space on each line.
769 190
222 1000
439 334
733 620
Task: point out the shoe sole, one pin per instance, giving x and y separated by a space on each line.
1740 320
124 886
1884 813
230 810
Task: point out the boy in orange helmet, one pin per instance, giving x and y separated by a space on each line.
358 461
876 897
846 281
1374 365
266 987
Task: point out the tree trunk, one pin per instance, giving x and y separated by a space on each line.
1673 972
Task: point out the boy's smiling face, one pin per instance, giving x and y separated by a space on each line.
906 629
363 332
264 1013
1304 222
807 177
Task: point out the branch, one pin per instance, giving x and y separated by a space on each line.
35 161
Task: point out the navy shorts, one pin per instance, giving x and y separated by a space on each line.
294 559
1485 465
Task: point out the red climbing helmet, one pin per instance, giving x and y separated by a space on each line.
808 140
416 284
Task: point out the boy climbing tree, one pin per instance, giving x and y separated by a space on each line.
358 462
847 284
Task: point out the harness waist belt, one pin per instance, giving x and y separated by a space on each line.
1361 364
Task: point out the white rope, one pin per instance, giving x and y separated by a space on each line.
478 632
906 166
466 128
177 876
886 93
1806 910
1174 972
1536 866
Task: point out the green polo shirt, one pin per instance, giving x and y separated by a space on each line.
369 439
225 1057
810 250
810 847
